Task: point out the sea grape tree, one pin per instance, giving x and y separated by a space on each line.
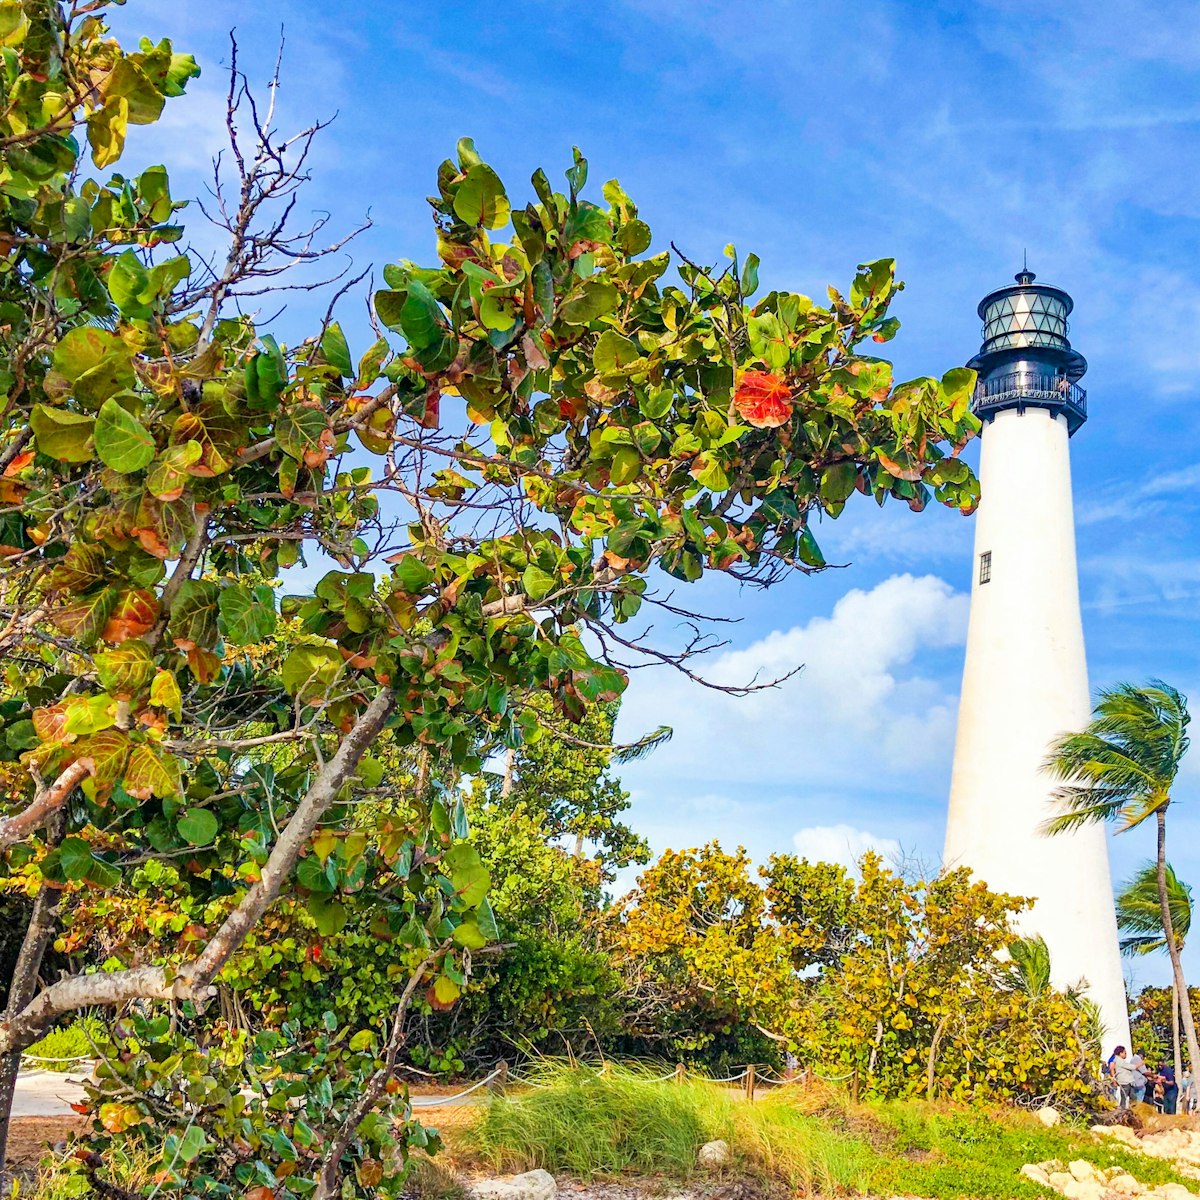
548 416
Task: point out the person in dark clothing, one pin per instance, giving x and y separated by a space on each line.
1170 1090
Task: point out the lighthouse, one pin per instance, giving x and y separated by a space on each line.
1025 679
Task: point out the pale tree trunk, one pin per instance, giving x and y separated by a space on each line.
931 1071
1181 990
23 984
510 762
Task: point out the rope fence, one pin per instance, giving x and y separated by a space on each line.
502 1077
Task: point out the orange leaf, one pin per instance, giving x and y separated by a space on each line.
135 612
763 400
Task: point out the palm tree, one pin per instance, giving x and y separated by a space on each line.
1029 966
1121 768
1139 918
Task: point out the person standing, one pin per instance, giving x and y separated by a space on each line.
1142 1076
1125 1077
1170 1090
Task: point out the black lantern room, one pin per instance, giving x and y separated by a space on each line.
1026 360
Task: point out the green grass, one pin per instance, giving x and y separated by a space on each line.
622 1122
61 1049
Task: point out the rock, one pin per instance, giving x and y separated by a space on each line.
714 1154
1037 1173
1172 1191
1049 1116
1060 1179
1084 1189
533 1185
1126 1185
1081 1170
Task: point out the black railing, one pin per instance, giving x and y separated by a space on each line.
1024 387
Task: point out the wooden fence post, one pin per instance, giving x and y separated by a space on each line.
854 1086
500 1083
680 1072
750 1082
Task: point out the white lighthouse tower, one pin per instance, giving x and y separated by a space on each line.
1025 681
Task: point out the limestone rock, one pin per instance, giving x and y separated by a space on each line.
1126 1185
1037 1173
533 1185
1049 1116
1081 1170
1172 1191
1060 1179
714 1154
1084 1189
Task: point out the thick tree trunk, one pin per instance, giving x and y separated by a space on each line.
1181 990
21 990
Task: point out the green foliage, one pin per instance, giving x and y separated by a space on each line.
265 1101
564 775
907 992
63 1049
620 1121
208 741
591 1124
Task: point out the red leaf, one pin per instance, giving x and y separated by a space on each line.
763 400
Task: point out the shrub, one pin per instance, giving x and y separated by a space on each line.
63 1049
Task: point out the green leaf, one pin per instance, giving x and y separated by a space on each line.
329 915
411 574
89 714
150 773
537 583
614 351
634 237
75 858
470 936
122 441
421 319
246 615
336 352
126 671
808 550
657 403
63 435
77 219
198 826
194 615
310 671
596 298
93 363
130 286
480 198
486 919
626 466
467 873
303 430
837 482
193 1143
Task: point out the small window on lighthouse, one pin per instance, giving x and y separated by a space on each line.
985 567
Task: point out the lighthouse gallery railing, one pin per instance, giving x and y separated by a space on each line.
1000 391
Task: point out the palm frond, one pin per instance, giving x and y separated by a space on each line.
1123 765
1139 910
634 751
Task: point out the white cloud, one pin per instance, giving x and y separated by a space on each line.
842 844
856 712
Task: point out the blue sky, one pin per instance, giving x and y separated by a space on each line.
950 136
